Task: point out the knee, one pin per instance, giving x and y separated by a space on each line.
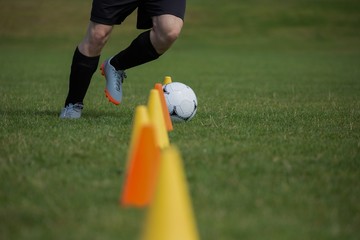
96 38
169 36
165 38
99 37
165 34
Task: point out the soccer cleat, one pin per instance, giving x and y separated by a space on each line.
114 79
72 111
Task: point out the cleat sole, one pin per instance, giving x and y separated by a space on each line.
112 100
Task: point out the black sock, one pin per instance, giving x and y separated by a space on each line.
140 51
82 69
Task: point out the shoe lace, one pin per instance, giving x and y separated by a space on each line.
119 76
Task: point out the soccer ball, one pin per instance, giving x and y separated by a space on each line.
181 101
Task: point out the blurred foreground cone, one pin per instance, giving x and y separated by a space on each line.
157 118
170 215
167 80
166 114
141 118
142 170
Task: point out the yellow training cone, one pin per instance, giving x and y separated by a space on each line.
141 119
167 80
170 215
157 118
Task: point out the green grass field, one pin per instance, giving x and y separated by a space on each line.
273 152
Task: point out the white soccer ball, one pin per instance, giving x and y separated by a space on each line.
181 101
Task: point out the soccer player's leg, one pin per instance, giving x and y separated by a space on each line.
92 45
147 47
165 20
140 51
84 63
166 29
95 39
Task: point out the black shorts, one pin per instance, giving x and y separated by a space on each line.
112 12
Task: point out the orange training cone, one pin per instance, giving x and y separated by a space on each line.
157 118
166 114
142 171
170 215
